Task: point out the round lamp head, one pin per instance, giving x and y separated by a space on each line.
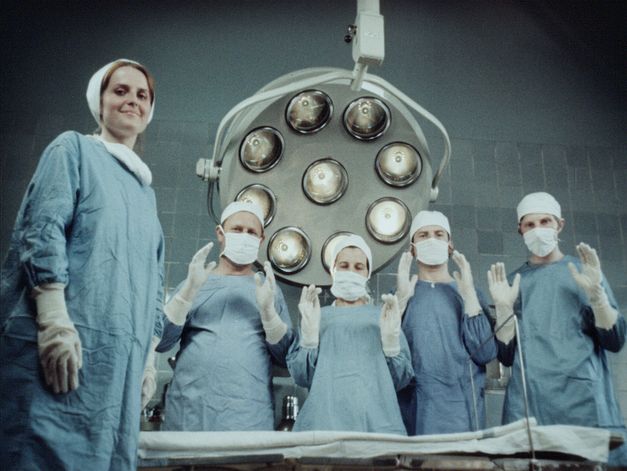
366 118
261 149
325 181
289 249
309 111
398 164
388 219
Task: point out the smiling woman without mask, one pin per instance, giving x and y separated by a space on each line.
83 290
351 355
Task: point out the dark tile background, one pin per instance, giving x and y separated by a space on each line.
532 95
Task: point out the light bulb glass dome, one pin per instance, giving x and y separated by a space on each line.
309 111
289 249
261 149
366 118
325 181
387 220
398 164
263 197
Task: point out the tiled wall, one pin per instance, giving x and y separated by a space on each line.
525 111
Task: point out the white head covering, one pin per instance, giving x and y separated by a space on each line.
237 206
539 202
93 90
352 240
429 218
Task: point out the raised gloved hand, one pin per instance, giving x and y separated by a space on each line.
197 273
503 296
466 285
149 381
589 280
60 351
309 307
405 285
265 291
390 325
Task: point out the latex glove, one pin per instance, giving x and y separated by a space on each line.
309 307
59 344
466 285
149 381
197 273
265 292
405 285
504 297
390 325
589 280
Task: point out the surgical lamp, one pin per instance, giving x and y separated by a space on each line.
327 152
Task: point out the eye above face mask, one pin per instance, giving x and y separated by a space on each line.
348 285
431 251
541 241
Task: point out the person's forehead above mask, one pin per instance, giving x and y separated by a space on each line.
429 218
356 241
538 203
243 221
426 232
352 256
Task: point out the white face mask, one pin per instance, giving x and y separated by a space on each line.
541 241
431 251
348 285
239 248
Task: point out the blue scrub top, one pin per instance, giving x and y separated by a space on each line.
568 379
87 222
223 374
352 384
449 352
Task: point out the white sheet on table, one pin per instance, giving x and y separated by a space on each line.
589 443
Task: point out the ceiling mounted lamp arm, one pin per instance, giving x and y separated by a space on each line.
367 36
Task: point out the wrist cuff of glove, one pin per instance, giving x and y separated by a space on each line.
605 316
597 296
506 327
176 310
309 342
472 307
390 351
50 299
274 329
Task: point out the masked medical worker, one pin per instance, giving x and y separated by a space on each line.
568 318
352 355
232 326
82 290
447 324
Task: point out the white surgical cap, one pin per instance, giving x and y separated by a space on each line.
540 203
353 240
93 90
237 206
429 218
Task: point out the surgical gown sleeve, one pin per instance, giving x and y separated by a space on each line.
48 211
279 350
477 334
301 362
159 314
400 366
611 339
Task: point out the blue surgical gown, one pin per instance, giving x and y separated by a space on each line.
568 380
449 352
88 223
352 384
223 374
